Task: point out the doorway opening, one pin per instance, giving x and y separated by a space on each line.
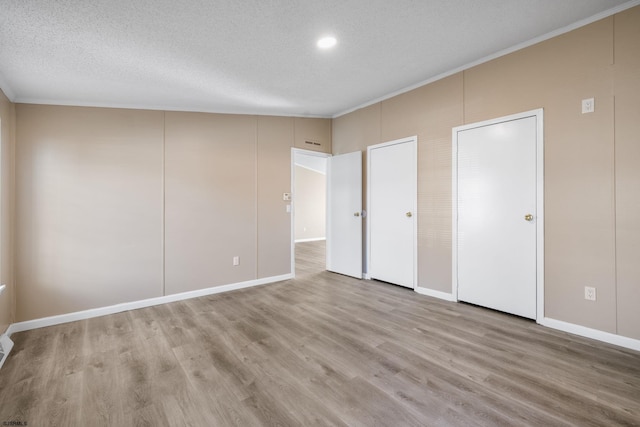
309 211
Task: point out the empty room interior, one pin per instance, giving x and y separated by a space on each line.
320 213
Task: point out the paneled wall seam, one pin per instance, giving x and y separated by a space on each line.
615 184
12 236
614 172
613 48
615 213
164 200
255 199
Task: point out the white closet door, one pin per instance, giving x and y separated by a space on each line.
392 217
496 227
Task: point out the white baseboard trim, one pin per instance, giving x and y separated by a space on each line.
436 294
313 239
133 305
595 334
583 331
5 348
7 344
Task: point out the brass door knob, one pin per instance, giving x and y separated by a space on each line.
409 214
528 217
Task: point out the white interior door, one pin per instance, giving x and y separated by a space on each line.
497 215
392 211
344 219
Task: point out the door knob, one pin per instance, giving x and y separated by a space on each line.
356 214
528 217
409 214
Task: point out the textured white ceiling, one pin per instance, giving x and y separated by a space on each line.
258 56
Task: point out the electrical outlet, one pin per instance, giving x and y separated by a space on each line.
588 105
236 260
589 293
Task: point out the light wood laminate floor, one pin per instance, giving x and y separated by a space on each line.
322 349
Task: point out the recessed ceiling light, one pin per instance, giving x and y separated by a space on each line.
327 42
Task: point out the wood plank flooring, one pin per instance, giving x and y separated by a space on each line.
322 349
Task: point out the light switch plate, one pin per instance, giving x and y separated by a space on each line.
588 105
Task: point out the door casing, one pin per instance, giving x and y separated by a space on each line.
538 113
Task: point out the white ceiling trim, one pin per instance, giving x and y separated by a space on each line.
536 40
38 101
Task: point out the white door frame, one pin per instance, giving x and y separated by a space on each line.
539 202
293 199
412 140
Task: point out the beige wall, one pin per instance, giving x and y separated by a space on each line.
627 170
274 178
120 205
7 299
88 208
312 134
210 200
311 207
592 161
